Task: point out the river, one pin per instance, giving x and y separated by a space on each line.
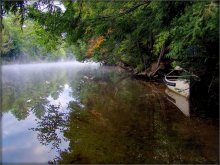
72 112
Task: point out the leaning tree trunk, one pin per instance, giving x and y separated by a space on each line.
157 67
161 55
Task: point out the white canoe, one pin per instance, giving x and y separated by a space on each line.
181 86
177 82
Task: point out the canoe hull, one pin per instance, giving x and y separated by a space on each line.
181 87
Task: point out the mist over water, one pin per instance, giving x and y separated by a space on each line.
52 65
30 92
84 110
42 72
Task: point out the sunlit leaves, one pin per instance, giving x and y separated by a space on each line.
32 42
160 39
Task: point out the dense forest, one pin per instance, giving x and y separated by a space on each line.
139 35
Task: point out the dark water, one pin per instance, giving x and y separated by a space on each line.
84 113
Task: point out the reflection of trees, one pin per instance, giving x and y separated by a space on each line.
39 107
112 127
50 126
133 125
26 91
120 122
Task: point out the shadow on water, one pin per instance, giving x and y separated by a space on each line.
92 114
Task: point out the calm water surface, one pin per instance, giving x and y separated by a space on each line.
83 113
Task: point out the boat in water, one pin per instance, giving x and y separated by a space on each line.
181 102
179 81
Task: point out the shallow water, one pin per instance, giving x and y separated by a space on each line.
84 113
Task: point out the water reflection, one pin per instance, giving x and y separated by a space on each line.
64 97
21 145
178 100
36 97
51 126
92 114
124 122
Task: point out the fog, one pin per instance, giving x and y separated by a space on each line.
30 67
25 87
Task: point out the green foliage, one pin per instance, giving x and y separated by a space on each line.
160 40
134 31
30 43
200 21
194 33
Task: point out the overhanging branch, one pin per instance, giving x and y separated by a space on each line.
110 17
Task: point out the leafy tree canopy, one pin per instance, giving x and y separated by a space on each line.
134 32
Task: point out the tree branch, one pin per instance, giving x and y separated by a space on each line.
110 17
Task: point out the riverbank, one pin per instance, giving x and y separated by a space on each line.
201 104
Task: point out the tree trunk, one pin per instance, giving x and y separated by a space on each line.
157 67
161 55
141 56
